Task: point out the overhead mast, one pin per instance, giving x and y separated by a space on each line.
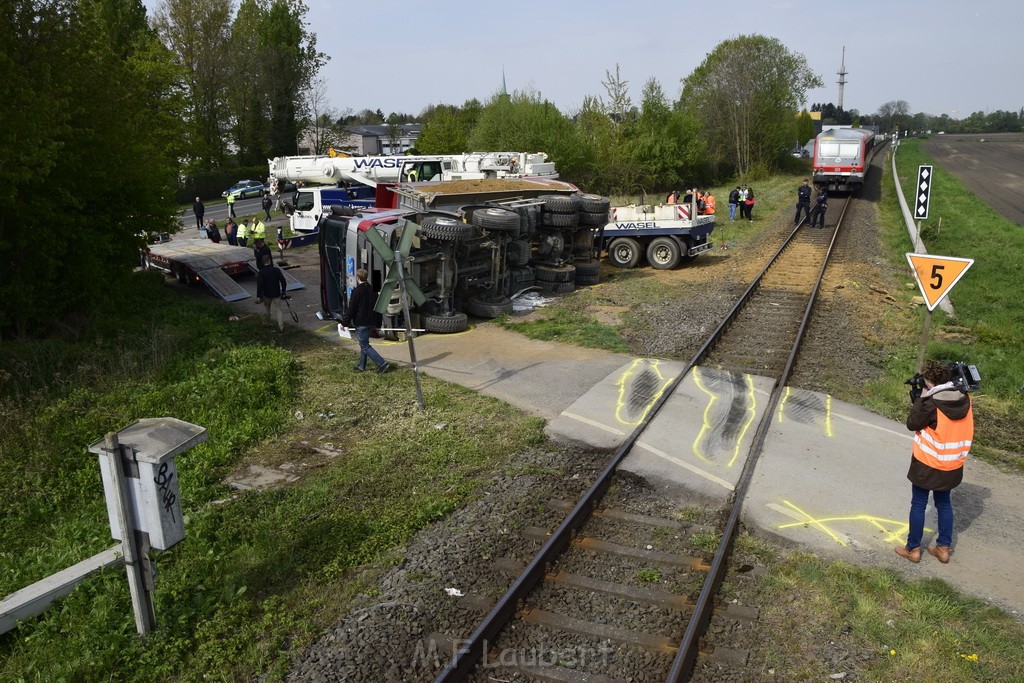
842 78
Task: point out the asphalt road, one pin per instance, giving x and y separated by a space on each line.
219 212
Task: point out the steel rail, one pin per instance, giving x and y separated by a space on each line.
682 666
471 650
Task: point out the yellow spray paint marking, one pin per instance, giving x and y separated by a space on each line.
707 426
623 384
894 530
828 411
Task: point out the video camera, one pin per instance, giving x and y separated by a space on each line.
964 377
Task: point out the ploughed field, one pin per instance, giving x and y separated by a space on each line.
990 165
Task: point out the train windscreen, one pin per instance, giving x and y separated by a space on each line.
838 150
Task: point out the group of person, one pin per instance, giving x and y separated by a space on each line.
815 217
705 200
741 200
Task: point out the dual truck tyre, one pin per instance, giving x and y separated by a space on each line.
481 307
663 253
497 219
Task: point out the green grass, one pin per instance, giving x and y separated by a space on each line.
911 630
258 573
569 327
988 329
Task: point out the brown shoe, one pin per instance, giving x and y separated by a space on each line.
912 555
940 553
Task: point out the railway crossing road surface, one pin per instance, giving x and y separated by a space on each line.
832 477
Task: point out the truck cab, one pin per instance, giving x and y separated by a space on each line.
309 205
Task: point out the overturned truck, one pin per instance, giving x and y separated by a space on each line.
469 248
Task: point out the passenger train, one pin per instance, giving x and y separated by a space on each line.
841 157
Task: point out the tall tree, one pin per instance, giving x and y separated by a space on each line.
197 33
745 94
247 102
91 117
893 114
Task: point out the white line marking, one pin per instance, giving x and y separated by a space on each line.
902 435
687 466
593 423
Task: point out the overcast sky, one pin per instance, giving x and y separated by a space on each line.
940 56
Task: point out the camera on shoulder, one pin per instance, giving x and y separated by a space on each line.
964 377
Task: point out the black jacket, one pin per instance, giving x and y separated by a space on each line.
803 195
259 252
360 307
734 196
199 209
955 405
270 283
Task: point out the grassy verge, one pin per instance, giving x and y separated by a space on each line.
575 319
988 329
887 628
259 572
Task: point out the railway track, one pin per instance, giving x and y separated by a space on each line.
557 605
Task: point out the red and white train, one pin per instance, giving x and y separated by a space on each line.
841 157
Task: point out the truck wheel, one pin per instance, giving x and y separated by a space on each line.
496 219
518 253
519 279
624 252
556 287
482 308
663 253
446 324
590 218
178 272
446 229
593 203
560 220
554 273
587 272
560 203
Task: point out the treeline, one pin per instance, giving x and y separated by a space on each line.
736 116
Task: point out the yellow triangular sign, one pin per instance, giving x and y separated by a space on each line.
936 275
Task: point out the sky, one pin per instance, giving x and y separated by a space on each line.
942 57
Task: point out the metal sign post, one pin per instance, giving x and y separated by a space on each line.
140 483
935 277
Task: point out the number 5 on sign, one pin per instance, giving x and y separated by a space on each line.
936 275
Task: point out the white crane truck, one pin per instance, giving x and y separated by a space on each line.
353 180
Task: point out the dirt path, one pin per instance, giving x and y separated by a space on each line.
990 166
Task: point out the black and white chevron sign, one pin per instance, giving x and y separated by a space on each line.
924 192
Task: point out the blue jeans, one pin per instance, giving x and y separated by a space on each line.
918 505
365 350
732 211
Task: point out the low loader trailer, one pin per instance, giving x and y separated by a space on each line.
195 262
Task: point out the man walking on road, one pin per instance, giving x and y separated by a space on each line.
199 209
231 205
803 203
943 425
266 203
360 314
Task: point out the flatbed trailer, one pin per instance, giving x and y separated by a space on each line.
195 262
664 233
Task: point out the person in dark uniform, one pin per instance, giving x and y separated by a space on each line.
820 207
199 209
803 203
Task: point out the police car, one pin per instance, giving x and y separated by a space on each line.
245 188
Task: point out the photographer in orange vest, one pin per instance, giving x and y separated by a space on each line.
943 424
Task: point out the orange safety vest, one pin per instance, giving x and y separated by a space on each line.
709 203
945 447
